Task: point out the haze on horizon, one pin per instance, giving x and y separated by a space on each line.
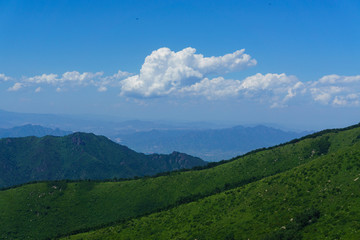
289 63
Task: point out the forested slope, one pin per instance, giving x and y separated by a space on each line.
318 200
49 209
80 156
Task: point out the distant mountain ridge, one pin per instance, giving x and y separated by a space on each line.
31 130
108 126
80 156
201 139
208 144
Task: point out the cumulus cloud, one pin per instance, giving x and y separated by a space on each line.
278 89
336 90
213 88
274 88
270 81
186 73
15 87
165 71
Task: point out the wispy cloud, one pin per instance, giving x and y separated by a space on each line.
102 89
15 87
69 80
3 77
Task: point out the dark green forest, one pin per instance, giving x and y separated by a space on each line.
80 156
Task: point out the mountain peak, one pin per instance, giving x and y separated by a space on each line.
80 156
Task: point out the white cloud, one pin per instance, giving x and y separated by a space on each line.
336 90
186 73
118 76
44 78
71 79
270 81
3 77
214 88
334 79
276 89
80 78
102 89
15 87
110 81
165 71
68 77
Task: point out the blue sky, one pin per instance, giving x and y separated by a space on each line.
293 63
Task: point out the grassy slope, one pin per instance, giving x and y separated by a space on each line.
42 210
325 191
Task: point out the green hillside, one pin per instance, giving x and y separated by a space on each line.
80 156
318 200
49 209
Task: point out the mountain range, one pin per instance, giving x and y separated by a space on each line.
31 130
304 189
208 144
108 126
80 156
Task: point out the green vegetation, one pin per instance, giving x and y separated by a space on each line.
318 200
255 195
80 156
